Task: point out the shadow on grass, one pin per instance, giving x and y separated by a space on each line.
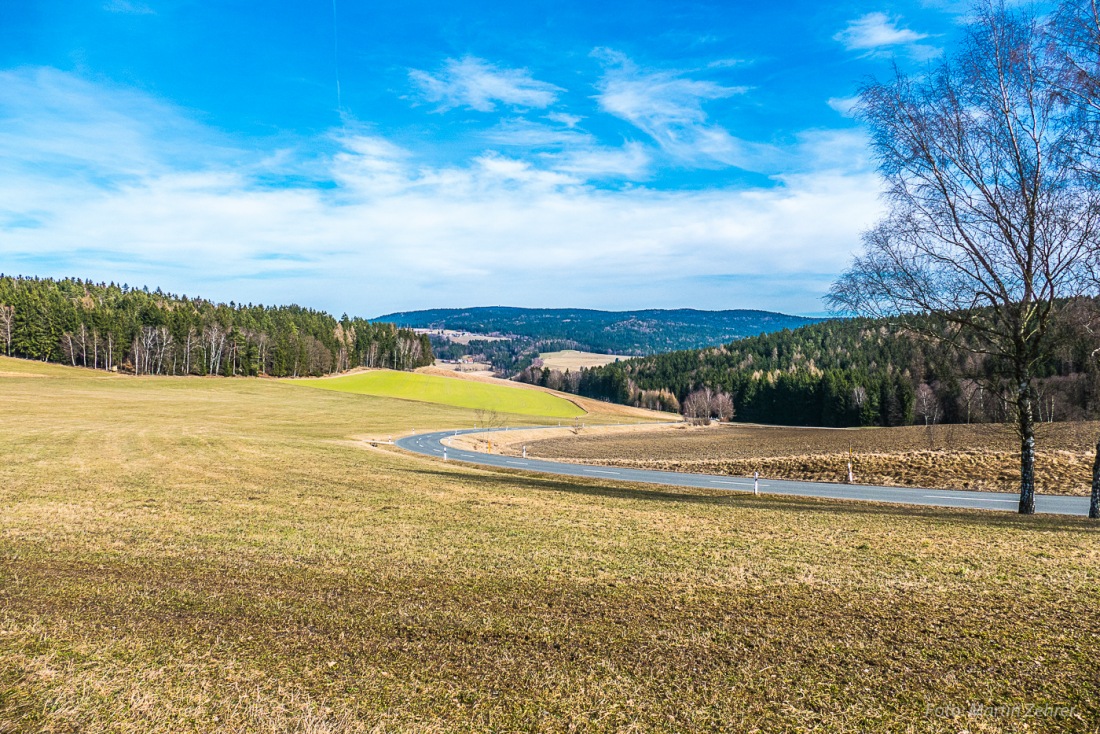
770 502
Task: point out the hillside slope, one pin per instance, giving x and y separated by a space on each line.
855 372
643 332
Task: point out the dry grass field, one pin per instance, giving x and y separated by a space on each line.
982 457
571 359
218 555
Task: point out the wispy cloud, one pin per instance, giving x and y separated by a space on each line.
128 6
391 230
523 133
478 85
631 162
668 107
844 105
878 32
59 123
570 150
565 118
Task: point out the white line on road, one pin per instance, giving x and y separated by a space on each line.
740 484
597 471
517 463
967 499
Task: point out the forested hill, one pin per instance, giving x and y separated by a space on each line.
615 332
847 373
118 328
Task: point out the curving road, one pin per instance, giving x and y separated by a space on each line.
430 444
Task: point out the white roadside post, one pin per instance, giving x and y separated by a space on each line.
756 482
850 478
525 452
444 453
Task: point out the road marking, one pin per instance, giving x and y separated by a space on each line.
797 488
968 499
517 463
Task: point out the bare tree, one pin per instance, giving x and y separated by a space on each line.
370 358
320 358
1076 30
721 406
928 404
989 226
7 321
489 418
189 348
1075 36
83 341
696 407
213 345
859 397
69 347
969 390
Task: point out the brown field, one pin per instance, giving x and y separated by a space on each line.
477 368
217 555
571 359
982 457
460 337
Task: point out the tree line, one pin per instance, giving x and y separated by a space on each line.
118 328
634 333
852 372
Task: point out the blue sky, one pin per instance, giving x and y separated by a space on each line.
373 157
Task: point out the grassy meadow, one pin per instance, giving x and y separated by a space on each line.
222 555
450 392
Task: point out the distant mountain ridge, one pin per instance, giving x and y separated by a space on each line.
644 332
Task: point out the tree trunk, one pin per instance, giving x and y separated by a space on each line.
1094 505
1026 426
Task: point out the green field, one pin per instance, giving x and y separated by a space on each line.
220 555
454 392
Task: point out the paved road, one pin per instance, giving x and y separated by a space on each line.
430 445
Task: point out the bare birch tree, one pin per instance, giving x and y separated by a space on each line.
7 321
213 346
1076 32
992 212
696 407
721 406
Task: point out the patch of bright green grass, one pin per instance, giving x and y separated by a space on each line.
450 391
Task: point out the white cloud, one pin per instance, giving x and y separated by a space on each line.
565 118
727 63
877 32
478 85
631 162
57 120
844 105
669 108
128 6
526 134
392 231
571 151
